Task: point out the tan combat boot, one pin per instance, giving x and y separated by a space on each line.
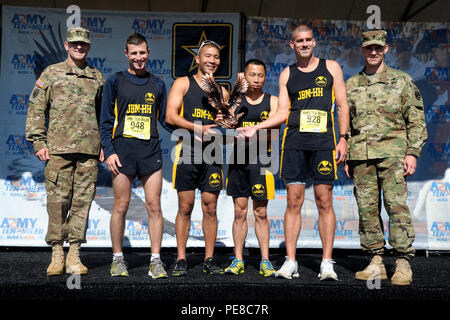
56 266
374 270
403 273
73 262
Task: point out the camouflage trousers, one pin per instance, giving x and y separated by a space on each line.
383 179
70 180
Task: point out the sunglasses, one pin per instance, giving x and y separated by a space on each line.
207 42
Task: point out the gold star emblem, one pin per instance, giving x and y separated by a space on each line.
193 49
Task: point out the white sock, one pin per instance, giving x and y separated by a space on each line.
117 255
154 256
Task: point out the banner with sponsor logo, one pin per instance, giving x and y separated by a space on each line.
421 50
32 38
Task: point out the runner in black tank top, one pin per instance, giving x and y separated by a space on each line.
310 122
186 103
306 96
190 173
195 104
245 179
244 174
252 115
308 141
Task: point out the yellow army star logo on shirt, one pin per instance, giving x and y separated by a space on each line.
321 81
324 167
264 115
258 190
214 180
150 98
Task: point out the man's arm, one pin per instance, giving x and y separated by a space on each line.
98 109
107 120
98 97
343 108
107 115
174 103
273 105
162 106
38 108
416 130
414 116
272 112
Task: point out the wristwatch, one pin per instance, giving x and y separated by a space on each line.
345 136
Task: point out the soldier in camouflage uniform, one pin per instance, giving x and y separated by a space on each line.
67 94
387 132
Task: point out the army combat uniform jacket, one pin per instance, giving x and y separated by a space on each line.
387 117
70 98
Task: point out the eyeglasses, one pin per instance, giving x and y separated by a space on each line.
208 42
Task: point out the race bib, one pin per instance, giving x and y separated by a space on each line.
313 121
137 127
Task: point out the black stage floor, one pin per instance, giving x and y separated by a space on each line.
23 277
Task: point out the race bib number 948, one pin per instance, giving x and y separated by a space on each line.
137 127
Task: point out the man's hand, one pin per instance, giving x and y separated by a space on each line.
409 164
246 132
201 131
348 171
341 151
208 132
101 158
112 162
219 116
228 121
43 154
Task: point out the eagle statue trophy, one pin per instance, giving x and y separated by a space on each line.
227 109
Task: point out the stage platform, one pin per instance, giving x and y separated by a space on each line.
23 277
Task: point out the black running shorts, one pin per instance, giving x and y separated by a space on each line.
246 180
300 165
138 157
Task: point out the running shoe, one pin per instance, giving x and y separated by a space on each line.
266 268
156 269
119 268
236 266
180 268
288 270
326 270
210 267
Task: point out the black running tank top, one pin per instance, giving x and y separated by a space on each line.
253 113
195 104
310 121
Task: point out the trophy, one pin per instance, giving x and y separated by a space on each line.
226 109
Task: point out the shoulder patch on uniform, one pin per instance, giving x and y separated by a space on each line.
418 95
35 93
40 83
